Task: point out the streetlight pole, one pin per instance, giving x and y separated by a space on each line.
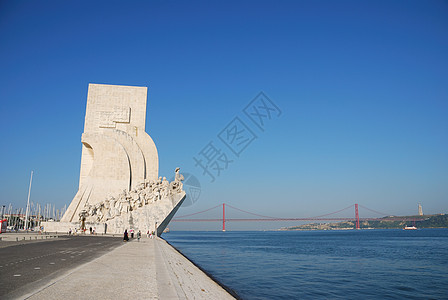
3 211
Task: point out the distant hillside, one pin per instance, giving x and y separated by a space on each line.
391 222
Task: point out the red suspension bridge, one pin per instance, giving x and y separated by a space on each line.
261 218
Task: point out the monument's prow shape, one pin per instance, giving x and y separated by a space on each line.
119 187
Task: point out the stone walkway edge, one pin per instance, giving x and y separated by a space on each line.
149 269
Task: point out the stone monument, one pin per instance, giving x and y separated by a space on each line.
119 185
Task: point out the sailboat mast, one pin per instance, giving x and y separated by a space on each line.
28 203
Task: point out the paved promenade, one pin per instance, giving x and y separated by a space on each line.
149 269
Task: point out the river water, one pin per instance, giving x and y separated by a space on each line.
351 264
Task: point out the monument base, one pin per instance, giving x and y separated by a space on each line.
66 227
150 218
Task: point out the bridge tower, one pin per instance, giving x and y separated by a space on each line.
223 217
357 216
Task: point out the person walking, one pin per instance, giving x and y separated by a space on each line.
126 237
139 235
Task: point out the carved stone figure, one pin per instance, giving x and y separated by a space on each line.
91 210
107 209
165 187
178 177
99 211
177 185
112 202
125 206
118 205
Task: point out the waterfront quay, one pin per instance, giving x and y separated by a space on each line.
100 267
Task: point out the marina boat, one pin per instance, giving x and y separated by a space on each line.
410 228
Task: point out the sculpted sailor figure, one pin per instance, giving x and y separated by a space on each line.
112 210
125 206
139 200
159 182
134 198
91 210
107 209
176 185
99 211
149 195
165 187
143 198
120 203
157 194
178 177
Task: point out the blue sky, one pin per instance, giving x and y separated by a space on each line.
362 87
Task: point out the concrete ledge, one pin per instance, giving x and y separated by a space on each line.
13 239
189 281
149 269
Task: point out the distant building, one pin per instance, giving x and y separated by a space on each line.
420 210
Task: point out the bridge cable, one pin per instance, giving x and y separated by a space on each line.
228 205
377 212
335 212
199 212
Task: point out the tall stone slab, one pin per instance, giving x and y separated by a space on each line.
117 153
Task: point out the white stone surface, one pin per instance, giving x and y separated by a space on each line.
148 217
119 187
117 153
